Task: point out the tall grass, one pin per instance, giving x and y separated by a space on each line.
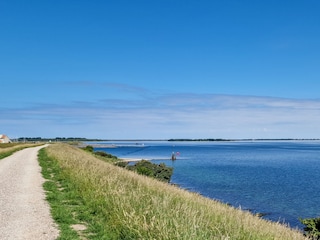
124 205
6 149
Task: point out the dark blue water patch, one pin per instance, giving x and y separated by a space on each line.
277 178
260 189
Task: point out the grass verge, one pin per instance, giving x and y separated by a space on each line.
114 203
7 149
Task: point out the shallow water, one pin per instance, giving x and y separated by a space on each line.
277 178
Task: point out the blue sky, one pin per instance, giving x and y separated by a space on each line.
160 69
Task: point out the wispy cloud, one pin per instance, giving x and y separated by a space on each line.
172 115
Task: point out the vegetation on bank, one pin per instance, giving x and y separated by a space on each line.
6 149
158 171
102 155
312 227
113 203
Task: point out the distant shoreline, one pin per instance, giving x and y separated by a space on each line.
239 140
204 140
100 144
79 139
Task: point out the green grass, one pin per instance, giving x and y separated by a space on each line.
6 154
114 203
64 199
7 149
67 203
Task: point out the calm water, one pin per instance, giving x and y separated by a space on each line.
278 178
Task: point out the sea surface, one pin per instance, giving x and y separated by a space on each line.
280 179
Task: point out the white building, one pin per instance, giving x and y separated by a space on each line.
4 139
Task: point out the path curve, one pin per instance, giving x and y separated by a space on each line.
24 212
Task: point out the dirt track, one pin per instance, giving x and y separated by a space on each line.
24 212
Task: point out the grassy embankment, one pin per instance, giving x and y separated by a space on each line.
6 149
112 203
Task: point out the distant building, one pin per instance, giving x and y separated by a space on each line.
4 139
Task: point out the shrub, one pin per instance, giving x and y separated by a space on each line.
121 164
104 154
157 171
99 153
312 227
88 148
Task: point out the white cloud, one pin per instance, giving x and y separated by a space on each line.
171 116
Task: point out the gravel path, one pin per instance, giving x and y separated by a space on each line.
24 212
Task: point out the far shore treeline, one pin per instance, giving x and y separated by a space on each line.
251 139
82 139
